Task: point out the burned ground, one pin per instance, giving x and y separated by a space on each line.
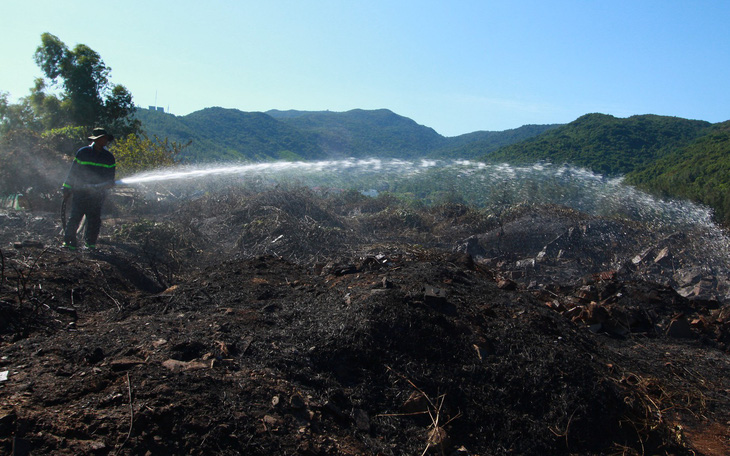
291 322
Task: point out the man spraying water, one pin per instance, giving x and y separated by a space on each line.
91 175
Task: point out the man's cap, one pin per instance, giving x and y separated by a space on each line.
98 133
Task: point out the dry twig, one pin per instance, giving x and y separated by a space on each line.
131 415
436 433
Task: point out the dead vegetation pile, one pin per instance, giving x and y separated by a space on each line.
290 322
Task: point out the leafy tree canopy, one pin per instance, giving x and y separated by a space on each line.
136 153
40 133
75 91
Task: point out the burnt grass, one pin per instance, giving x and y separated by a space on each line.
287 321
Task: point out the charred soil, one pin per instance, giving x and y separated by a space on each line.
287 322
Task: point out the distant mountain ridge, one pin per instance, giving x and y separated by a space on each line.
359 132
671 156
220 134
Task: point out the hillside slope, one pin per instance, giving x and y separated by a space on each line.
219 134
358 133
699 172
477 144
606 144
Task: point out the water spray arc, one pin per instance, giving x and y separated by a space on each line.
477 183
493 188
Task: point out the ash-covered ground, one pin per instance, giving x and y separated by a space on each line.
296 322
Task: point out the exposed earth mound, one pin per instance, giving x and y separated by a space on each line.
292 322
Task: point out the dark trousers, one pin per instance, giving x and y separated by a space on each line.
88 204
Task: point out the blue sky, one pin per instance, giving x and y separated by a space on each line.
455 66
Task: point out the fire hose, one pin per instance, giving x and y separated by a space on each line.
63 216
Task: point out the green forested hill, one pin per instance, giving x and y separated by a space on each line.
668 156
480 143
380 133
227 134
606 144
699 171
219 134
